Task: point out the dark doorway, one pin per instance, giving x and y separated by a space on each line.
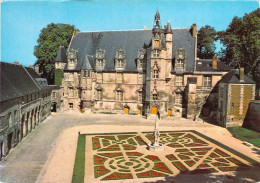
54 107
9 141
1 150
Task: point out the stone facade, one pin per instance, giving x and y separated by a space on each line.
139 72
25 102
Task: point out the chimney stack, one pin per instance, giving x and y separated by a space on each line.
194 30
36 68
16 62
241 74
75 32
215 62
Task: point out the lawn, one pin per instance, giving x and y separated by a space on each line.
79 166
247 135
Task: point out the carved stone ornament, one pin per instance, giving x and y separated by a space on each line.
120 54
141 54
180 54
100 54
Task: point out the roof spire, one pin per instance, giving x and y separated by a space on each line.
157 19
169 29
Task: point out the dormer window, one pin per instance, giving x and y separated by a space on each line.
72 59
120 63
180 60
120 60
100 59
141 61
100 63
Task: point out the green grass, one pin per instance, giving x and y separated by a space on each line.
247 135
79 166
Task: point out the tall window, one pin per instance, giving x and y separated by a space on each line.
155 96
100 63
71 105
120 63
119 95
155 74
180 65
207 81
179 80
99 94
71 61
140 96
156 53
53 94
178 98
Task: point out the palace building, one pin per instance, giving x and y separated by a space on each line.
144 72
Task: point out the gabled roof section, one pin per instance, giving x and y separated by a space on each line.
233 77
32 72
61 56
205 65
182 38
16 81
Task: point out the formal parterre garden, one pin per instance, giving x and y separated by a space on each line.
124 156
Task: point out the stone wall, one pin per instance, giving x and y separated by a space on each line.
252 119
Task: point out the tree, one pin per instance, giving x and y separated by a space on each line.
241 41
206 42
49 41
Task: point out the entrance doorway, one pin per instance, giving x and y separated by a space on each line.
126 109
139 111
9 141
169 112
154 110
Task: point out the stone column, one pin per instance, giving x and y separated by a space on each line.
191 100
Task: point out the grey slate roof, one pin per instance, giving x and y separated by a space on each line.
61 56
15 82
206 65
233 77
86 44
32 72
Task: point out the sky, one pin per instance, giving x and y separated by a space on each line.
22 21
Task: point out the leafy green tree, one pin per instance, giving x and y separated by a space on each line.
241 41
49 41
206 38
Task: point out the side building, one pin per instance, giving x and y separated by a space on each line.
25 101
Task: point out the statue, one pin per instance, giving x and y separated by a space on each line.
156 146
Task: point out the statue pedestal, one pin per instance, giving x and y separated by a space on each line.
155 148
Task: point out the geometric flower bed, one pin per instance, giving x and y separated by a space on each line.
123 156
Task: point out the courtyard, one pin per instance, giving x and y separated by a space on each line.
114 149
